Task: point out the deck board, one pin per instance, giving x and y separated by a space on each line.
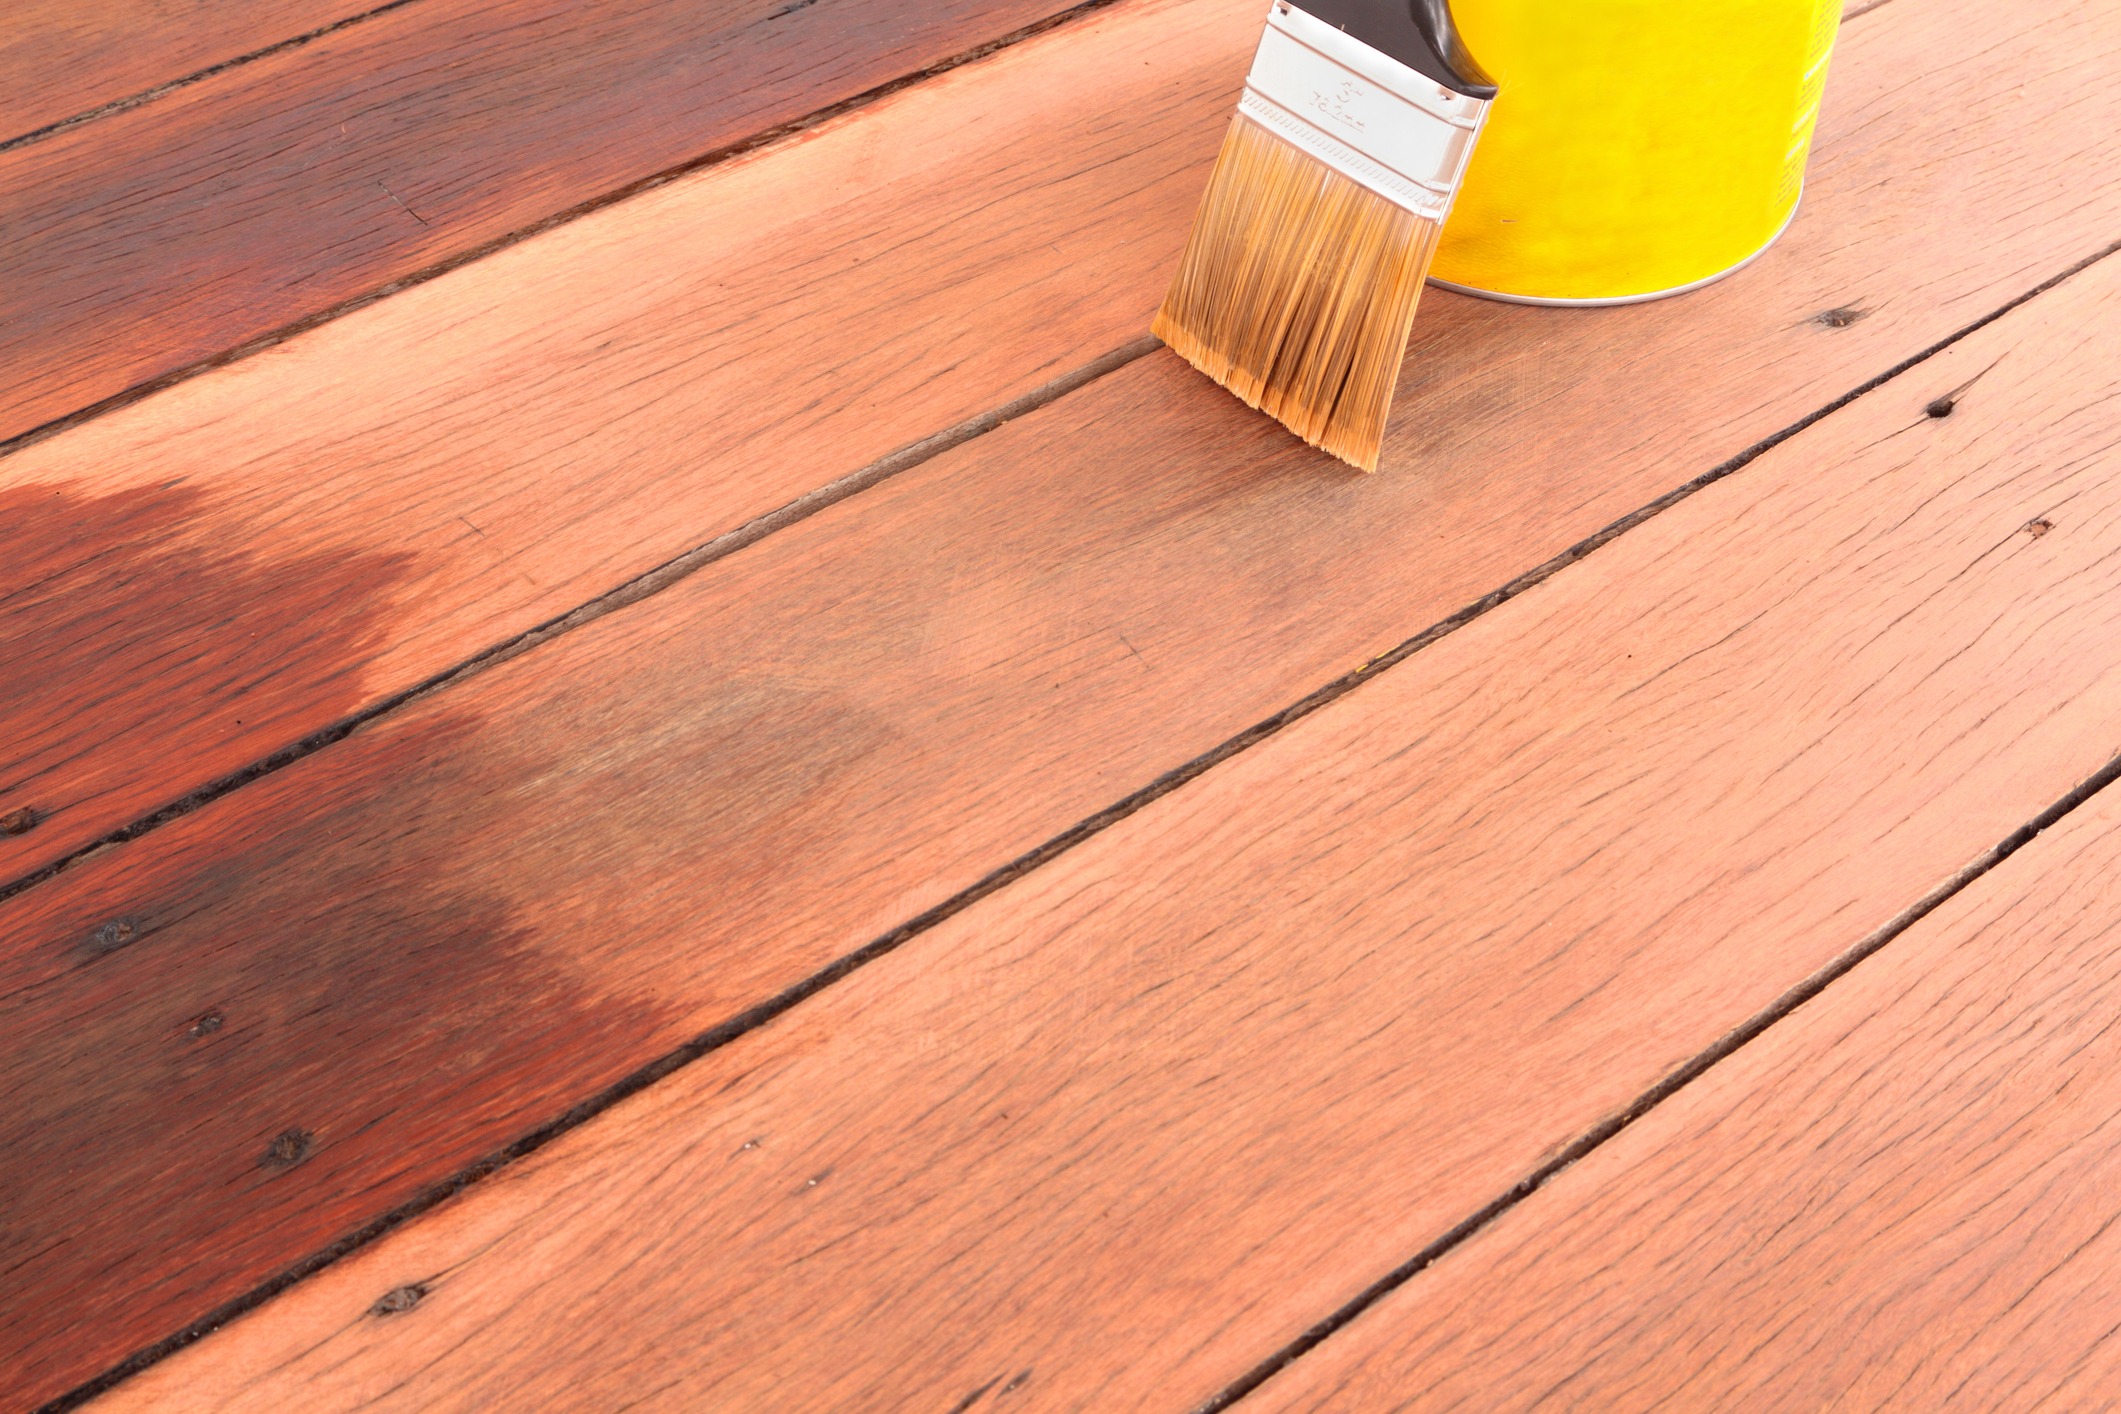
1900 1198
1121 1129
604 826
150 241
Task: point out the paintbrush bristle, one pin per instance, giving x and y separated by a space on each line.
1297 290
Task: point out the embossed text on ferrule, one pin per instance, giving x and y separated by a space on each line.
1362 113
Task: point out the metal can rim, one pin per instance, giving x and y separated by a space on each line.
1600 300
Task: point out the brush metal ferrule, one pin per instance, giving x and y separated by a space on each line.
1361 112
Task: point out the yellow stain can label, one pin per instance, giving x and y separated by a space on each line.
1638 147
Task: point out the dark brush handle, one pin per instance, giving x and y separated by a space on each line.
1418 33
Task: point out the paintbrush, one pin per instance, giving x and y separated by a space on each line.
1298 285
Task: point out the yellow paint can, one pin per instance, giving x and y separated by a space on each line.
1638 148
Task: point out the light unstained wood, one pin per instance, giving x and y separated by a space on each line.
193 583
152 239
1902 1197
430 938
1120 1130
62 58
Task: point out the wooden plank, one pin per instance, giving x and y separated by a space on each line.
151 240
1900 1198
1119 1130
454 466
61 59
877 696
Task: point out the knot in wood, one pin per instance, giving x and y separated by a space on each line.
109 937
399 1299
288 1148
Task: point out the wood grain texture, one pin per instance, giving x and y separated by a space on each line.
150 240
671 814
1117 1131
62 58
527 432
532 453
1899 1198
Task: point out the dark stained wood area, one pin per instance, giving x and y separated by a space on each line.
750 799
182 229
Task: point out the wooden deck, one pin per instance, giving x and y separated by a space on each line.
651 758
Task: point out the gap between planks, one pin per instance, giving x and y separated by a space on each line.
778 1005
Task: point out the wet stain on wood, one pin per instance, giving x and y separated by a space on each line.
220 1048
115 607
